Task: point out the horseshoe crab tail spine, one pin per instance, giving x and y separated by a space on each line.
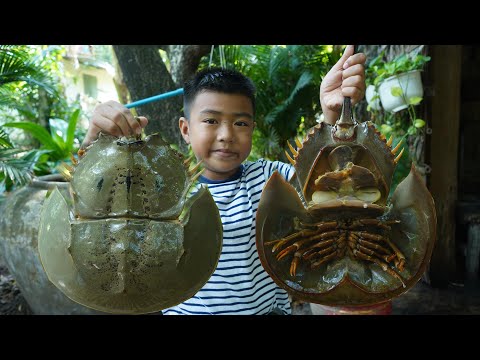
346 119
344 128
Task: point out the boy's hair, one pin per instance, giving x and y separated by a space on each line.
217 79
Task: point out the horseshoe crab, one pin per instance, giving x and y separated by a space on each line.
332 236
127 240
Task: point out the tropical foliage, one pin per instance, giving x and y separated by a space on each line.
16 165
287 79
37 125
404 125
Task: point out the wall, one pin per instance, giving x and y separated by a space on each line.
75 86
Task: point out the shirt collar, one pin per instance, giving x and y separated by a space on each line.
202 179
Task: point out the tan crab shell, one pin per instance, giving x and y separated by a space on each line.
346 281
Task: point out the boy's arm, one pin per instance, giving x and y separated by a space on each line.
284 169
115 119
345 78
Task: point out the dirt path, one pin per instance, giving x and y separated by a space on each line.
11 300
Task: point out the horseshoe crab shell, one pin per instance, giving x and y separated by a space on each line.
127 241
342 185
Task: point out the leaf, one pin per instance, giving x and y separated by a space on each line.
39 133
396 91
304 82
72 124
6 154
415 100
385 128
58 140
4 140
18 170
17 64
419 123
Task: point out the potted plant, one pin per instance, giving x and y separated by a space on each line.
397 115
399 81
371 74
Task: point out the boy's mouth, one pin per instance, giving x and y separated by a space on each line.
224 153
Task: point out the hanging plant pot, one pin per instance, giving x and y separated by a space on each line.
372 97
396 90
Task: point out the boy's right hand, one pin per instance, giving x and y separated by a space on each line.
115 119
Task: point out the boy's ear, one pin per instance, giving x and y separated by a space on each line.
184 126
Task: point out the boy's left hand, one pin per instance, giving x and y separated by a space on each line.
345 78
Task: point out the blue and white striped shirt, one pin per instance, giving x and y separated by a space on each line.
239 285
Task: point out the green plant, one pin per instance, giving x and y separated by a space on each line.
378 69
59 142
404 125
21 73
16 165
287 78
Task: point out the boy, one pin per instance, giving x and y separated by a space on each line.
219 109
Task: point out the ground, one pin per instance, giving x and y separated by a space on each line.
11 300
419 300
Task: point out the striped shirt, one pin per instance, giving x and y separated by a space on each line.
239 284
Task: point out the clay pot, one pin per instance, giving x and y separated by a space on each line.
18 244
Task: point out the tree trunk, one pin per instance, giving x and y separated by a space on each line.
391 51
146 75
43 115
184 60
444 107
120 86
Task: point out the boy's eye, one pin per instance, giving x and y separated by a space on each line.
210 121
241 123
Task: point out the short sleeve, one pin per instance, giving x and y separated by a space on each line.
284 169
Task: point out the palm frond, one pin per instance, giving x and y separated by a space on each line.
4 140
267 143
278 60
17 64
294 100
18 169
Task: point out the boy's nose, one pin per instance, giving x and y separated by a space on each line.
226 133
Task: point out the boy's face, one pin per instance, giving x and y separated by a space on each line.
220 131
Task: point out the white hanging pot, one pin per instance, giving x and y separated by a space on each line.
411 85
370 92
